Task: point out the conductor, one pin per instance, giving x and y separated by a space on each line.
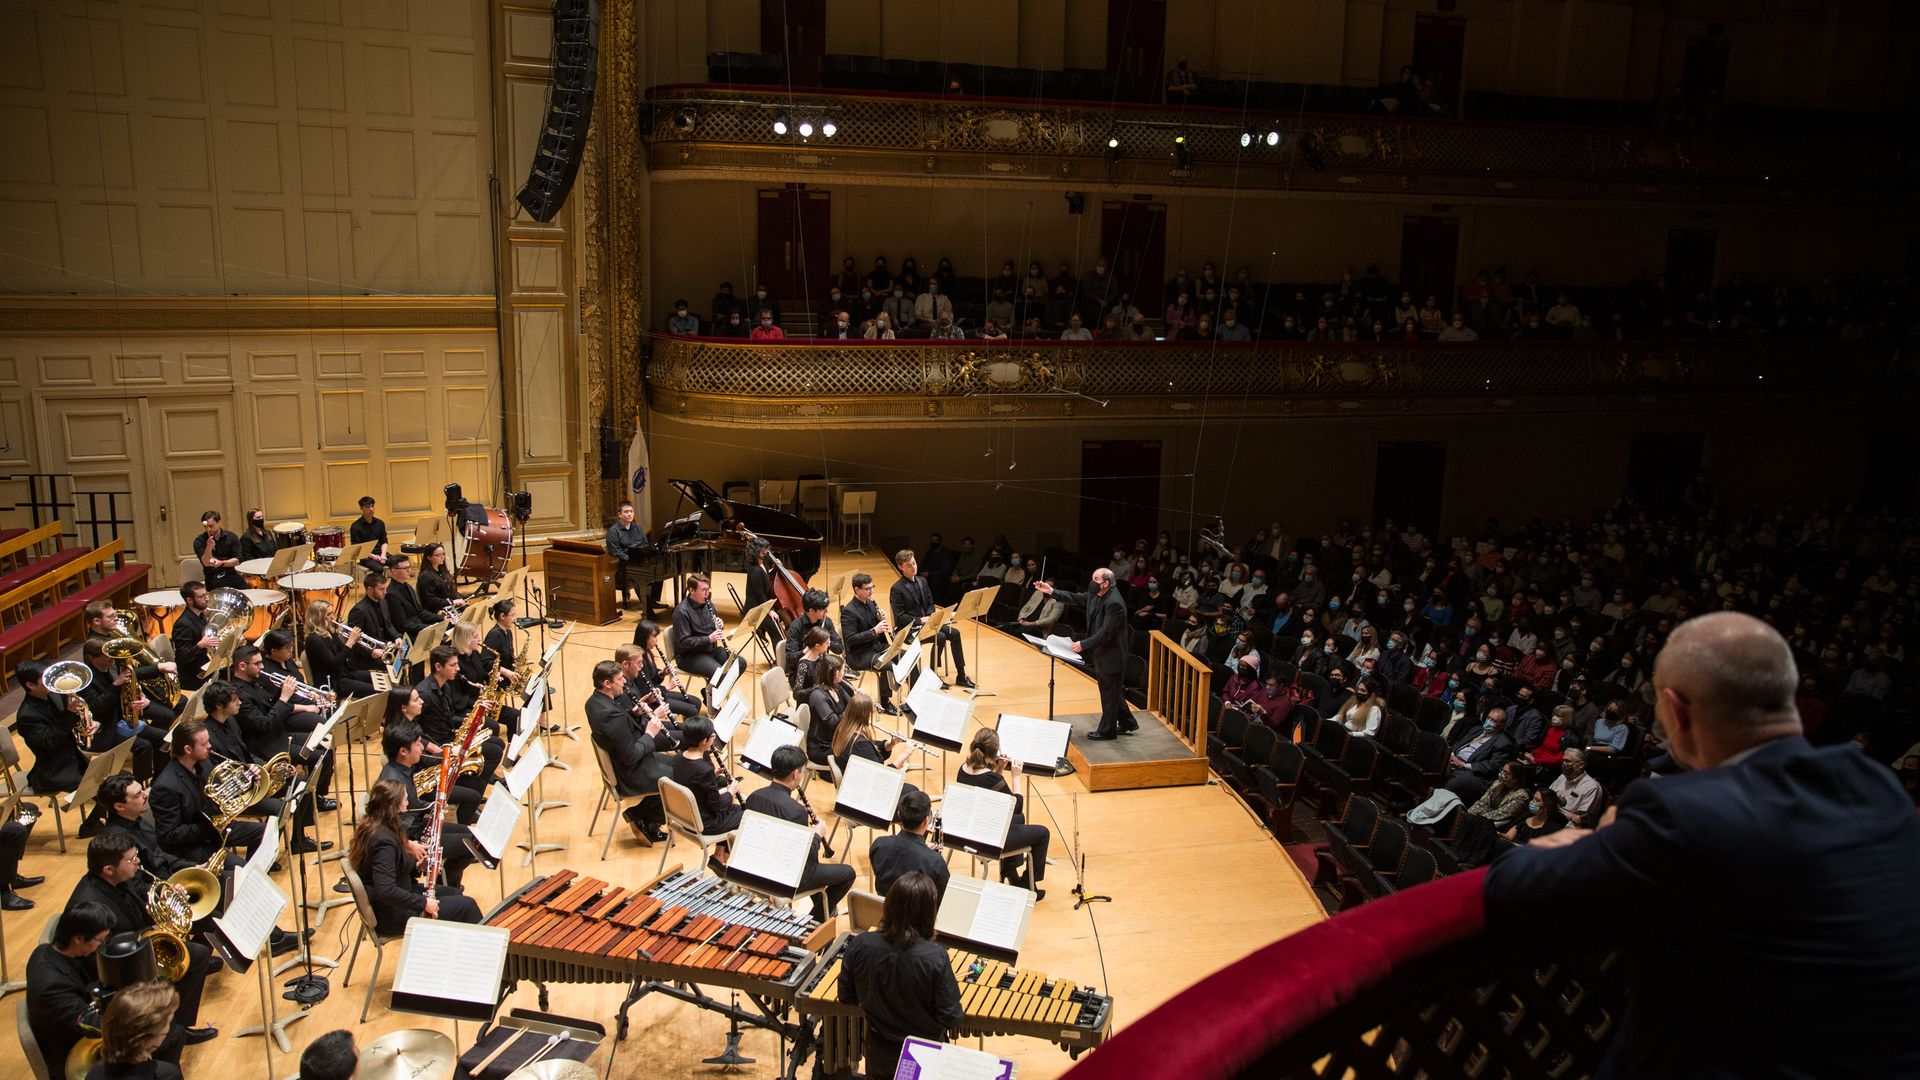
1104 649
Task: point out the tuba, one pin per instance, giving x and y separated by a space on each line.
171 909
127 645
228 611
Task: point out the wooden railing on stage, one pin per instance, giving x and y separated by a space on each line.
1179 690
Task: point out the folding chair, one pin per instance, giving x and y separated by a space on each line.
683 819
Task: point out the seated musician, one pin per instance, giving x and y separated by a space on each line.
404 706
438 591
627 542
806 670
190 637
814 618
183 813
126 800
338 663
114 881
501 639
114 721
894 855
787 771
135 1029
644 698
258 542
825 702
647 637
47 724
276 720
902 981
370 616
868 632
61 975
477 657
446 702
228 743
697 769
698 633
403 745
912 600
403 599
637 744
389 866
103 623
369 529
854 736
982 767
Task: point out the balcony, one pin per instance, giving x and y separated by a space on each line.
696 132
913 383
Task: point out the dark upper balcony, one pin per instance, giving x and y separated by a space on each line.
915 382
707 131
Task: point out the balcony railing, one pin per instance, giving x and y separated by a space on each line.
727 380
707 127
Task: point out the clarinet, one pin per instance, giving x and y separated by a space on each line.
800 792
719 770
666 668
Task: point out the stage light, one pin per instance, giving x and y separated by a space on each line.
1246 139
806 129
1273 138
1113 142
829 128
779 125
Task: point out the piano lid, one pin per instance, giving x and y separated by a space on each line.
784 531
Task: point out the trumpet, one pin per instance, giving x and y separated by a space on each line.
342 630
314 694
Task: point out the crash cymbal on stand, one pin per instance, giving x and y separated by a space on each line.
408 1054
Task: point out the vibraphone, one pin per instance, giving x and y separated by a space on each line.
997 998
667 936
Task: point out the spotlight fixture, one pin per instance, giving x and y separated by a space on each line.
683 119
779 125
1113 142
1273 138
806 129
1246 139
829 128
1182 153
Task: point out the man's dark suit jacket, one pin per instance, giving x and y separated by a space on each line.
896 854
47 729
910 600
1105 646
129 909
58 988
404 611
180 805
187 653
864 643
639 763
263 719
1492 754
146 837
1767 909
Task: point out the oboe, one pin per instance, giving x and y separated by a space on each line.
813 819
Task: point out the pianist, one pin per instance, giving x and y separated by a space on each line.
627 542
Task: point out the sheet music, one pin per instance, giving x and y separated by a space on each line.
923 1060
871 788
529 725
1000 916
767 736
1032 741
494 830
520 778
976 813
909 656
729 719
536 691
268 850
927 683
320 732
770 848
1061 646
451 961
942 716
256 906
728 681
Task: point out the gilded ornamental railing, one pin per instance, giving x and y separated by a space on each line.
734 381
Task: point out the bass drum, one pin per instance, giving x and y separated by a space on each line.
489 546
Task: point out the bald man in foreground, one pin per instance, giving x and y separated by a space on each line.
1768 898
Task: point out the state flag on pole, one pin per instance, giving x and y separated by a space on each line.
637 475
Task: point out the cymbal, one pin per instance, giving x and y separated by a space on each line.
554 1069
407 1054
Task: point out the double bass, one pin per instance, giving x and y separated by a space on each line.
789 592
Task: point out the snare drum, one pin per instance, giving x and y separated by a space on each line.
291 533
158 610
268 606
327 542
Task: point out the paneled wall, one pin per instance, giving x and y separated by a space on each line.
244 146
300 423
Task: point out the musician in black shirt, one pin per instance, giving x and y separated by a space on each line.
788 770
627 542
643 699
637 745
646 637
404 746
806 670
219 552
371 618
912 601
337 663
273 722
717 795
760 588
437 588
258 542
698 634
445 704
814 618
389 867
190 636
868 632
895 855
403 599
982 768
183 812
825 702
902 981
115 723
114 881
369 529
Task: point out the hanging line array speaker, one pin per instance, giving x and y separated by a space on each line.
563 138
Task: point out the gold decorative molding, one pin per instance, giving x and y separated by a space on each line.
902 383
40 314
613 189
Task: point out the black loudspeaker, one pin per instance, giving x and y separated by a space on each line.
613 461
576 66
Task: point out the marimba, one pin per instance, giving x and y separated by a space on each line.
678 930
997 998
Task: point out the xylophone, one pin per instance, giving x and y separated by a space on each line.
678 929
997 998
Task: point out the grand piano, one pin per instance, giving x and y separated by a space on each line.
703 535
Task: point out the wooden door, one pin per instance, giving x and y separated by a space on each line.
189 453
1439 54
795 31
1429 249
1119 493
1133 238
795 264
1136 47
98 440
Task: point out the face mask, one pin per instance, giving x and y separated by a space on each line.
762 294
1258 580
1392 645
866 294
766 322
1235 575
1153 586
1306 641
1329 647
1408 606
1533 806
1333 605
1453 684
1568 768
1486 725
1567 665
897 293
1472 630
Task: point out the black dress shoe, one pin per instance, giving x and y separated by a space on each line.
305 846
327 806
88 828
14 902
284 943
341 886
196 1036
890 709
1129 726
964 683
1102 736
25 881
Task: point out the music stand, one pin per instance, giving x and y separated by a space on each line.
243 934
975 605
856 508
427 640
331 725
222 653
749 626
103 765
353 553
778 493
289 561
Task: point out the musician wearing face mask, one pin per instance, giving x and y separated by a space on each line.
258 542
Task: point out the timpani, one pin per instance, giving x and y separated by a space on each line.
316 585
158 610
268 606
255 570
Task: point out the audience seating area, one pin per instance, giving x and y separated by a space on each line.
46 587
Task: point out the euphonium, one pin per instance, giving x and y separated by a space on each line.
228 610
127 645
69 677
171 910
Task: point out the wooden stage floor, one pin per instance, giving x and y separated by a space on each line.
1196 884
